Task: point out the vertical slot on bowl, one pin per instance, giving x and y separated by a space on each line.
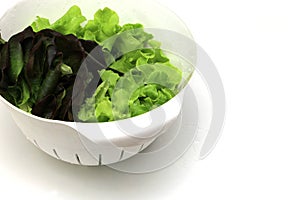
78 159
56 154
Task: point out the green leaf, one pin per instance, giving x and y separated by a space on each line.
130 38
69 23
154 44
89 35
109 76
103 110
90 110
104 25
148 97
108 20
87 111
40 24
65 70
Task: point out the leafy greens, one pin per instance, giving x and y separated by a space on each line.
38 68
38 71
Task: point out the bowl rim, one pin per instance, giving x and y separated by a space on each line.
70 123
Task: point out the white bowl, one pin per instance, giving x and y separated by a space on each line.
94 143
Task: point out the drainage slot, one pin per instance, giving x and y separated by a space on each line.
122 154
36 144
55 153
141 148
100 160
78 159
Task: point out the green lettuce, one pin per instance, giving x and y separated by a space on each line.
40 24
139 90
69 23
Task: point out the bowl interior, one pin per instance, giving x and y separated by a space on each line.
157 19
150 13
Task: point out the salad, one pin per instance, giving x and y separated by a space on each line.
86 70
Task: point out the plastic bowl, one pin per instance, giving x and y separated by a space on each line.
94 143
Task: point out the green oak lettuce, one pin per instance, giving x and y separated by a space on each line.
69 23
141 88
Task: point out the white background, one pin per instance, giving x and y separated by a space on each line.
255 46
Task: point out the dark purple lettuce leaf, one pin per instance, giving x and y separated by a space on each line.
16 54
31 74
4 66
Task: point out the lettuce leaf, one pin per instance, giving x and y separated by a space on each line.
149 97
69 23
104 25
97 107
40 24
